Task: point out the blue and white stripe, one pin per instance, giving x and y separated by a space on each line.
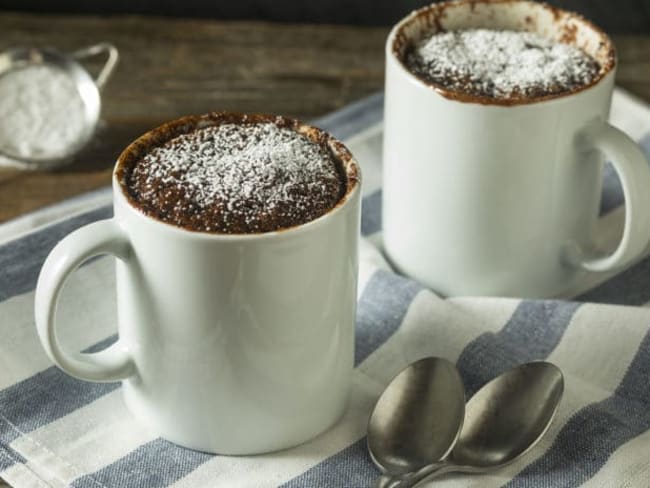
58 431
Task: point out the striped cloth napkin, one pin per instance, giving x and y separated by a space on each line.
57 431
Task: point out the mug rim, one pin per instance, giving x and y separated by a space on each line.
396 35
183 125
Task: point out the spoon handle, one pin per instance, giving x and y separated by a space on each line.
411 480
386 481
426 473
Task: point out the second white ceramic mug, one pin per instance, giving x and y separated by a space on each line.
233 344
489 198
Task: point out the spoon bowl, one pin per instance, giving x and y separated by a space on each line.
508 416
418 417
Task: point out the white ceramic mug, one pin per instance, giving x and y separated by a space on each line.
489 198
233 344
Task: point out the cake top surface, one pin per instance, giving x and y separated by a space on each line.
237 178
501 64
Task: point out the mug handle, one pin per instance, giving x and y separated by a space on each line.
104 237
634 173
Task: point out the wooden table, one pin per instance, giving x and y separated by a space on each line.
170 68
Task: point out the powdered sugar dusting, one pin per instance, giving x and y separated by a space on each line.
237 178
501 64
41 112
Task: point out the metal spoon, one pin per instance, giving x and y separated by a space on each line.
503 421
417 419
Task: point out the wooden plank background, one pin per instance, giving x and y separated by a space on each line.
172 67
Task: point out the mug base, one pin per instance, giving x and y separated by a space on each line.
243 445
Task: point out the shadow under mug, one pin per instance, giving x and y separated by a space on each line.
232 344
483 197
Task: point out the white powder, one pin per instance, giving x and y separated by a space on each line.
41 112
501 64
242 178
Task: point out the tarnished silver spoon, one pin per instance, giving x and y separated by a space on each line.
503 421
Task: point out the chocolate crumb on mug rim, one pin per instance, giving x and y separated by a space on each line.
189 128
556 24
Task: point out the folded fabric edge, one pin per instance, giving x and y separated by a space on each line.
54 214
